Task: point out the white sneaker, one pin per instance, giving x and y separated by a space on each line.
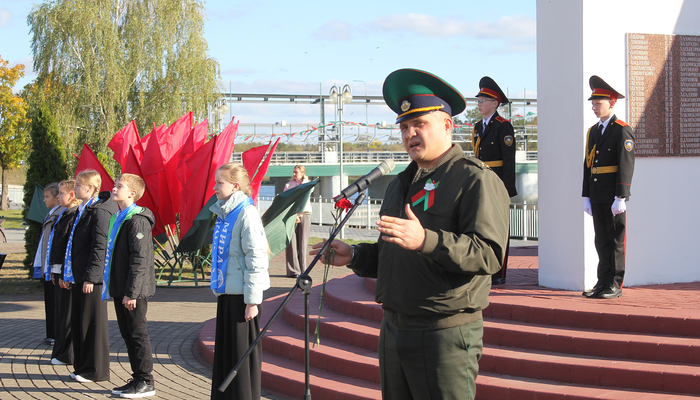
80 378
56 361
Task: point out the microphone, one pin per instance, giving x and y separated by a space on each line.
363 183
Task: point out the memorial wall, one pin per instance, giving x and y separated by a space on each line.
664 102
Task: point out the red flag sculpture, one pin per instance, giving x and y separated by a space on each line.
132 166
127 138
258 173
88 160
203 165
194 141
171 143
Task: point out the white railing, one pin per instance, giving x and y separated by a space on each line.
523 217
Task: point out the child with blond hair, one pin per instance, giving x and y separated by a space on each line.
238 278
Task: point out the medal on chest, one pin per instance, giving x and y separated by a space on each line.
427 195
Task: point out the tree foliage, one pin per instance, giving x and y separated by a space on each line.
47 163
110 61
13 134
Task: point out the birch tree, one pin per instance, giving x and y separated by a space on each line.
111 61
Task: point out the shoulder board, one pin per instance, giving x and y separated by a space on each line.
501 119
621 122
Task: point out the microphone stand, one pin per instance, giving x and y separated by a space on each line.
304 282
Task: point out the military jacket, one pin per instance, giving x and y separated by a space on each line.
608 164
463 207
496 143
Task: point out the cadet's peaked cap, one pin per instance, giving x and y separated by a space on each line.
412 92
489 88
602 90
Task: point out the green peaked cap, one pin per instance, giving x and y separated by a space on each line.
412 92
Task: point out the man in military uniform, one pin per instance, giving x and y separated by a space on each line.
494 144
607 176
443 230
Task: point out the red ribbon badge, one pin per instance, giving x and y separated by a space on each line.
427 195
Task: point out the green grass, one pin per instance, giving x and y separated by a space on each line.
14 278
13 219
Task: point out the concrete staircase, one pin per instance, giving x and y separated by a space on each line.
535 347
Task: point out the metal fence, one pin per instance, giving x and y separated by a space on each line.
307 157
523 217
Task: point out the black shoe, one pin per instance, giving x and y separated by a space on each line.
140 389
120 389
49 341
498 281
593 293
610 293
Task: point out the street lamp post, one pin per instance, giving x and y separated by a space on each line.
339 98
220 108
366 104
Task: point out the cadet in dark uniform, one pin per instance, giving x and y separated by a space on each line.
494 144
607 176
444 228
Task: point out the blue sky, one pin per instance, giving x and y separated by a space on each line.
306 47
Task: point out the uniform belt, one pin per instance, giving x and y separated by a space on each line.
604 170
493 164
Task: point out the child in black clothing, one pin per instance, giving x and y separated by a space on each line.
42 269
130 279
82 271
63 347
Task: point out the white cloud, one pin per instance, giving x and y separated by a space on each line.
512 27
432 26
424 25
28 63
4 16
334 31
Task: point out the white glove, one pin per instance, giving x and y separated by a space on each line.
587 206
619 206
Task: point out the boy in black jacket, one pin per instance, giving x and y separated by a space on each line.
130 280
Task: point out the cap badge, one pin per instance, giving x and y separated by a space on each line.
405 106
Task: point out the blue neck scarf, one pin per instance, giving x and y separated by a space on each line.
68 263
115 223
47 267
220 246
38 257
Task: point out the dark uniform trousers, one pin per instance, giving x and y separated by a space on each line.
134 329
90 333
430 364
610 235
49 308
63 346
